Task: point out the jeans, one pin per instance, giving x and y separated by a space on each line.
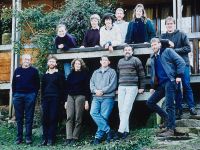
49 117
167 89
75 109
187 91
24 104
126 98
67 69
101 109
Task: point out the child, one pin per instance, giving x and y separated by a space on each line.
64 41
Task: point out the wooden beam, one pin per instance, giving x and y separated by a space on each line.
5 86
5 47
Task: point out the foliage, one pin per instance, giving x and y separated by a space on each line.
6 18
38 25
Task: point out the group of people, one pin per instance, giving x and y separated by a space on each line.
169 68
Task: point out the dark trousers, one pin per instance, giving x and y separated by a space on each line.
49 117
167 89
24 104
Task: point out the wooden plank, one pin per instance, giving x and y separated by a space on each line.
194 35
5 47
5 86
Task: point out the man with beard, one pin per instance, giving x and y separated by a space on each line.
131 75
25 86
52 91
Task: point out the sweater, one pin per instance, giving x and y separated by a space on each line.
92 38
78 83
181 44
26 80
131 72
68 40
123 26
113 35
52 85
104 80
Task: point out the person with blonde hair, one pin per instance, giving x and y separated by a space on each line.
140 29
77 86
92 36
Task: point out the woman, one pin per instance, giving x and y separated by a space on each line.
110 34
78 90
140 29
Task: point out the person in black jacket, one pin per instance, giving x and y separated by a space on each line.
25 86
52 91
180 43
77 86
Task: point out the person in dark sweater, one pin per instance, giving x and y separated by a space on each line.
64 41
92 36
25 86
77 86
131 82
180 43
140 29
167 67
52 91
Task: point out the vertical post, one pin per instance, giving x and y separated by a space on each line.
179 14
174 9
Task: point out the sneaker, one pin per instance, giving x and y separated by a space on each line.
73 141
124 135
18 141
50 143
167 133
96 141
193 111
109 136
28 141
67 142
118 135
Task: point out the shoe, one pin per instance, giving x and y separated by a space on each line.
43 143
67 142
50 143
167 133
124 135
73 141
109 136
96 141
161 131
28 141
18 141
193 111
118 135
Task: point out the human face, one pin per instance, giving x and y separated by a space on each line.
51 63
61 32
128 52
119 15
170 26
108 23
155 46
139 12
94 23
104 62
77 65
26 61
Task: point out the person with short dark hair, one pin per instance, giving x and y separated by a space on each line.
25 86
167 68
103 85
52 92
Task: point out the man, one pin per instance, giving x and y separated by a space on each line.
123 25
180 43
167 67
103 84
52 92
131 75
25 86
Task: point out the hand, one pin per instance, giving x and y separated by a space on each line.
99 92
141 91
110 48
152 91
171 44
65 105
178 80
82 47
60 46
96 46
86 105
106 46
146 42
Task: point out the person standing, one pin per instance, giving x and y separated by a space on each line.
77 86
140 29
180 43
25 86
52 92
131 82
167 67
103 85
